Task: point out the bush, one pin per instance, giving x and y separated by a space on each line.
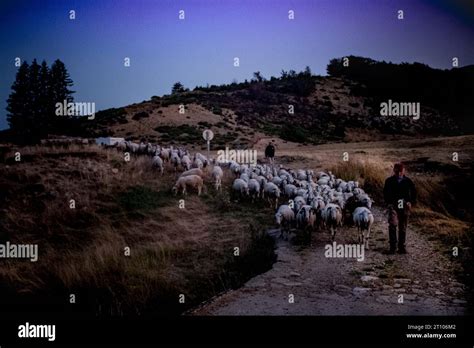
140 115
294 133
140 198
217 110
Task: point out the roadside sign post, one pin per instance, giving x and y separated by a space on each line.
208 135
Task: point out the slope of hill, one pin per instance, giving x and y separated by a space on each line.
299 107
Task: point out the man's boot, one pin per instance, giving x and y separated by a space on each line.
402 232
392 234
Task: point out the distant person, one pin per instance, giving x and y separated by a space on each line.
400 194
270 152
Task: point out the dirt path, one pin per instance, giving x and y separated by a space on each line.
344 286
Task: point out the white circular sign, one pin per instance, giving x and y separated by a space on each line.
208 135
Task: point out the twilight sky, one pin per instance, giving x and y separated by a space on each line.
201 48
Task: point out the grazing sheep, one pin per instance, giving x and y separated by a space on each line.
254 188
271 191
186 162
364 200
121 145
240 187
284 217
176 161
244 177
197 163
363 219
194 181
277 180
261 180
202 158
290 190
217 175
301 174
306 218
134 148
165 154
298 202
194 171
157 162
332 217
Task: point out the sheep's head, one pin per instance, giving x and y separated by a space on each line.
174 190
367 202
278 218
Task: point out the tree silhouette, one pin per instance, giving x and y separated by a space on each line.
31 105
59 83
19 116
258 76
177 88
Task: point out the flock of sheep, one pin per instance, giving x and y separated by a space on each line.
312 200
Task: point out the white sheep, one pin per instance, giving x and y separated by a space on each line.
194 171
290 190
186 162
217 175
240 187
165 154
197 163
271 191
193 181
332 218
363 219
284 217
298 202
306 218
254 188
364 200
176 161
157 162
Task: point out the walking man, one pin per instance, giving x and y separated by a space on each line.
270 152
400 194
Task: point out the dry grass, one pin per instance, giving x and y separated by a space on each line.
370 174
118 205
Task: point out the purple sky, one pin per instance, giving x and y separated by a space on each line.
201 49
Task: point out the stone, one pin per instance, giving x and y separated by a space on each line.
368 278
418 291
385 299
403 280
409 297
457 301
359 290
341 287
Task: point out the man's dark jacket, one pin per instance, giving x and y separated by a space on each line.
393 190
270 151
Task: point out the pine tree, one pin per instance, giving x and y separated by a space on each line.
177 88
19 103
36 127
59 83
32 103
46 115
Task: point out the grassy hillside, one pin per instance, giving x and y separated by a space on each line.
118 204
297 107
